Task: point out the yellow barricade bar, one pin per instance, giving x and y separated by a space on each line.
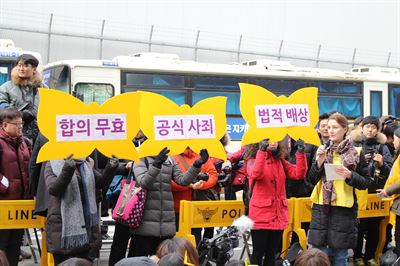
198 214
18 214
376 207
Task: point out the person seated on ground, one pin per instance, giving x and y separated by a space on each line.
312 257
181 246
75 262
139 261
172 259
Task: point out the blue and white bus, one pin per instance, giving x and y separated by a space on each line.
359 92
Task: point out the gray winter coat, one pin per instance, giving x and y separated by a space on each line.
159 215
17 93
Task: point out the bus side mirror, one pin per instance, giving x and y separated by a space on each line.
78 95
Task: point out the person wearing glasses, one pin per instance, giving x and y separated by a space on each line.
14 178
21 93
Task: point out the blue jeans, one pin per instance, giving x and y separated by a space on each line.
338 256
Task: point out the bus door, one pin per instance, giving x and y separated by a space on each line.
375 98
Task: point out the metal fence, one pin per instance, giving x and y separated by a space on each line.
59 37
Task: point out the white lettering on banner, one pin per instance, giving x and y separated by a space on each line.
282 115
171 127
91 127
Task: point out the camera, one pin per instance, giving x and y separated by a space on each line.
203 176
373 166
219 249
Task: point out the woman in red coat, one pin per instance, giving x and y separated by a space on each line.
267 171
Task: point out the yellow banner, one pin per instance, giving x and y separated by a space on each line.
73 127
271 116
18 214
166 124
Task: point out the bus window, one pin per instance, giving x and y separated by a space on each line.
94 92
178 97
153 80
225 83
57 78
349 106
282 86
233 101
376 103
394 100
339 87
5 72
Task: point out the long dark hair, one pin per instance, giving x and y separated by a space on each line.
251 151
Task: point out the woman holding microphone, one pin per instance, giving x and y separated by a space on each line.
333 227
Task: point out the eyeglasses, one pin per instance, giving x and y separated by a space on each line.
19 124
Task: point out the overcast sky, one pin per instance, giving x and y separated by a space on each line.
372 25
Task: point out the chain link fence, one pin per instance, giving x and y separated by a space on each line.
61 37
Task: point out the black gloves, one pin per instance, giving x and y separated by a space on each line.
161 158
263 145
202 160
300 145
68 168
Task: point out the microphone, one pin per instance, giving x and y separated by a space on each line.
327 144
243 224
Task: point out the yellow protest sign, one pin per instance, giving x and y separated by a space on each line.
166 124
73 127
271 116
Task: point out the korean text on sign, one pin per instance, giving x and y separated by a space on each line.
91 127
184 127
282 115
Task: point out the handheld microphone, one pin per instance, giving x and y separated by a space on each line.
327 144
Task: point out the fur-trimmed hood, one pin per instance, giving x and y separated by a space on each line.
356 135
35 81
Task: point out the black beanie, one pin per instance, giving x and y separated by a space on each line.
371 120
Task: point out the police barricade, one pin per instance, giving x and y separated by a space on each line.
18 214
376 207
198 214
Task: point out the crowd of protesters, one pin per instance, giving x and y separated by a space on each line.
68 191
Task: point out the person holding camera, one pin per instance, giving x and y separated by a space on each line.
268 171
333 227
154 173
379 160
204 184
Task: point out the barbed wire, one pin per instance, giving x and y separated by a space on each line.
243 43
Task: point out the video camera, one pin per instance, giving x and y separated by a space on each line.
225 178
371 147
203 176
219 249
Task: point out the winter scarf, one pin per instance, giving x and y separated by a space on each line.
349 158
77 216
